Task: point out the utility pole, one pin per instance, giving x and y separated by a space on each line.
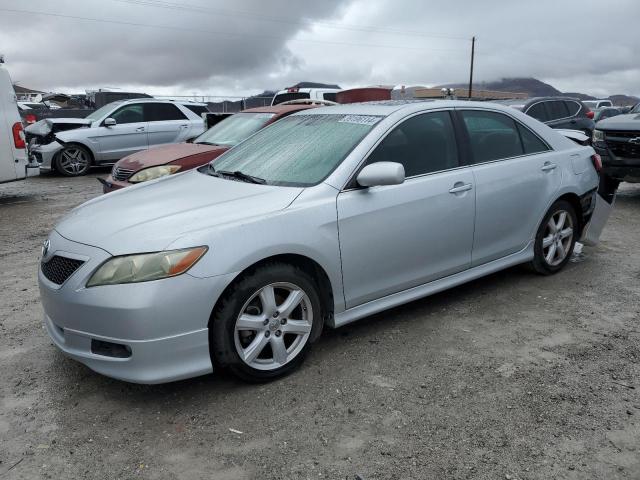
473 51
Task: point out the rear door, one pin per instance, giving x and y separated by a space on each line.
128 136
516 175
167 124
400 236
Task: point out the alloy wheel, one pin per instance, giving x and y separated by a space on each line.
557 238
273 326
73 161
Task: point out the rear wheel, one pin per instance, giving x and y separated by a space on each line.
264 325
73 161
555 239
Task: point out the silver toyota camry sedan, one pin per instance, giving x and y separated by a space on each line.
323 218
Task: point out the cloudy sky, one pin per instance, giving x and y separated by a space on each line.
240 47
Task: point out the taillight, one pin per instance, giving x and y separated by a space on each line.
597 162
18 135
590 114
30 118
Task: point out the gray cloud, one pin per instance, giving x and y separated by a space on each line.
576 44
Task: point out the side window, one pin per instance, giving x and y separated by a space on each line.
538 112
128 114
558 109
331 96
530 141
493 136
422 144
197 109
158 112
572 107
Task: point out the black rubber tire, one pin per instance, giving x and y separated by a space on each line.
222 324
80 173
539 264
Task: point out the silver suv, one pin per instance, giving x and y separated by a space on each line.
72 145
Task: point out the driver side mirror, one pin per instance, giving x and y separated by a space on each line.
381 173
110 122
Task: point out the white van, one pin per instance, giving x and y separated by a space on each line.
14 164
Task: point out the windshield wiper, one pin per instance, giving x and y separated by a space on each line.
237 174
208 143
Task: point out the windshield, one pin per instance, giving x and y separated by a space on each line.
98 114
231 131
635 109
300 150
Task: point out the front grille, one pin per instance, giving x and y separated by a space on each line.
59 269
121 174
620 146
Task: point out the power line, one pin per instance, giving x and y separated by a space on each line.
289 20
226 34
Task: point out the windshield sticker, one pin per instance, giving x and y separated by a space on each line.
360 119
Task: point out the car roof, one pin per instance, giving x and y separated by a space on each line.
387 107
160 100
280 109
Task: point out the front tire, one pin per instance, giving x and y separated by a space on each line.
263 327
73 161
555 239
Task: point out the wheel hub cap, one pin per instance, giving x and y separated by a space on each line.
273 326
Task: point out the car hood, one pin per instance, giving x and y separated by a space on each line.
151 216
168 153
48 125
621 122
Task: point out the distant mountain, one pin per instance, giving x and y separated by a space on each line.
536 88
531 86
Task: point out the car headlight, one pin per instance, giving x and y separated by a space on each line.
146 267
598 136
152 173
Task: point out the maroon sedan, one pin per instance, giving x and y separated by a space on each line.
169 159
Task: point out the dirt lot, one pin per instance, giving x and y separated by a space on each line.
513 376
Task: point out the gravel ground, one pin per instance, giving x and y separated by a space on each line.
513 376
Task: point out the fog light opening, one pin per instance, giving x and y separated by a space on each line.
109 349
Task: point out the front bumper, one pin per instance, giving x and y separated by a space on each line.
111 185
44 155
163 324
623 169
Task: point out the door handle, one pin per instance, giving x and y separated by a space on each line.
184 126
140 129
460 187
548 166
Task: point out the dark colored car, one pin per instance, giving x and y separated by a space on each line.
167 160
617 141
605 112
557 112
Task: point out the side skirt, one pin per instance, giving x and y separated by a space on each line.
406 296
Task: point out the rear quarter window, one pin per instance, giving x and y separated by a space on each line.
573 107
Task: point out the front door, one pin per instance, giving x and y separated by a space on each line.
397 237
128 136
